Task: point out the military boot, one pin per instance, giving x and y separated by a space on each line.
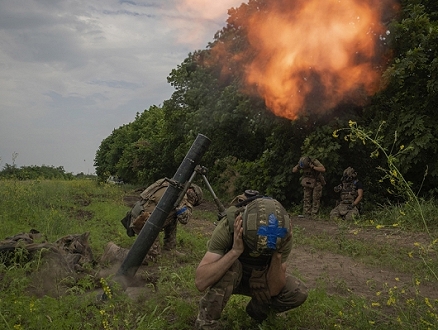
256 311
113 254
173 253
207 325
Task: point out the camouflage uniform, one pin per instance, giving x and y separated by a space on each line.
140 213
236 280
312 192
348 190
213 302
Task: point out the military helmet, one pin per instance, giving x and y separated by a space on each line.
349 174
249 193
265 224
304 162
195 195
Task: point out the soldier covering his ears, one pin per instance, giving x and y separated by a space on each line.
312 181
247 255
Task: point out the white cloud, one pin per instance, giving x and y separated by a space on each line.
72 71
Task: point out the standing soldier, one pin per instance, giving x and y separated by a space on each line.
351 191
312 181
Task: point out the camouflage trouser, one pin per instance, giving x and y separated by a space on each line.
341 212
312 197
169 241
213 302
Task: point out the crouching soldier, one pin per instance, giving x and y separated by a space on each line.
247 255
351 193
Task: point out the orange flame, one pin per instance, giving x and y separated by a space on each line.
311 55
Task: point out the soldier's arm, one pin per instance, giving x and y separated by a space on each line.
317 166
184 211
359 197
276 276
213 266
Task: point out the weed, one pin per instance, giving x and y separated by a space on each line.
173 301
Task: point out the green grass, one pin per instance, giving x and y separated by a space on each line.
377 255
58 208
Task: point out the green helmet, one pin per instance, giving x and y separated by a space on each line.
265 224
195 194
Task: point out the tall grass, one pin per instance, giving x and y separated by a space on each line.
414 208
59 208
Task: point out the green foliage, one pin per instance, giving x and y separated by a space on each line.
172 303
251 148
407 105
400 187
134 152
34 173
57 208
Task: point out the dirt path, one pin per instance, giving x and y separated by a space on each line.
341 274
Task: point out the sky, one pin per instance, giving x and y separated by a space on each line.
72 71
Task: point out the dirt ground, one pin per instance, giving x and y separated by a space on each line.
337 273
342 274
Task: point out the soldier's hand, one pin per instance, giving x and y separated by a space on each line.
183 214
282 247
259 286
238 233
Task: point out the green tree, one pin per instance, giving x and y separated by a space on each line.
407 105
252 148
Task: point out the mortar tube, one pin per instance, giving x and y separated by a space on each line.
155 223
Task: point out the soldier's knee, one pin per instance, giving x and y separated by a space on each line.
213 302
293 295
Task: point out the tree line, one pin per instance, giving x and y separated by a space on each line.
254 149
12 172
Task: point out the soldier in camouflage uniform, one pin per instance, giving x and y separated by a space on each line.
312 181
351 193
247 255
140 213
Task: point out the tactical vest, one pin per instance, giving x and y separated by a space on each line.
311 173
348 192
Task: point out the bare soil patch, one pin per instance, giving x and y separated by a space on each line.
337 273
341 274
